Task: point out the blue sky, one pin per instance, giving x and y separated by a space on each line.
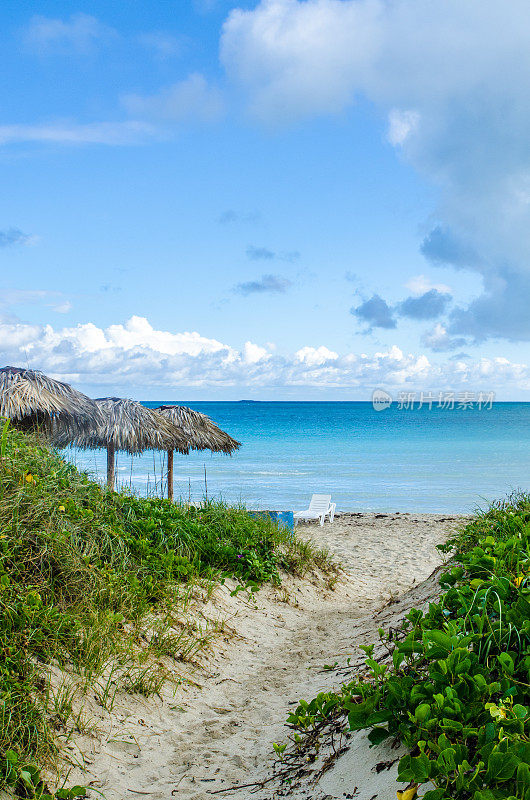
296 199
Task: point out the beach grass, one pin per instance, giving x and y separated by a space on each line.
96 589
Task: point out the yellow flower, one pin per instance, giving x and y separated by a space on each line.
518 581
61 508
409 793
29 477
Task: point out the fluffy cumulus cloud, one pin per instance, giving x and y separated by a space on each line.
253 353
453 80
135 356
300 58
316 356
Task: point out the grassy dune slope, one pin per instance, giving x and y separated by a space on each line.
89 578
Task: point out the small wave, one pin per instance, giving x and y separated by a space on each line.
265 472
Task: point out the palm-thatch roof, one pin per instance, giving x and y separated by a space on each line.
128 425
201 432
29 398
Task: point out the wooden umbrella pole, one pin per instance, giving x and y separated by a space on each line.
170 474
111 458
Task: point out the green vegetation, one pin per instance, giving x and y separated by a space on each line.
97 584
456 689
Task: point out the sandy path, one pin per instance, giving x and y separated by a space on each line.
204 739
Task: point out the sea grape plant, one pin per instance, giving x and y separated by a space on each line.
456 690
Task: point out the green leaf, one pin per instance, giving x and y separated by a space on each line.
501 766
414 769
523 778
439 638
446 760
360 712
423 712
378 735
3 440
11 757
397 658
451 725
26 777
507 662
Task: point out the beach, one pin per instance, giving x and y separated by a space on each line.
217 730
265 264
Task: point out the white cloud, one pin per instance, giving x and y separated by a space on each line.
300 58
401 124
452 78
315 356
129 358
192 98
439 339
73 133
63 308
253 353
79 34
138 332
13 297
18 297
419 285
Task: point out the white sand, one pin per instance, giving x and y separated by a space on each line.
220 733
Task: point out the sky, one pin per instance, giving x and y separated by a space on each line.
283 199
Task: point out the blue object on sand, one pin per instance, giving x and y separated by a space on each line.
283 519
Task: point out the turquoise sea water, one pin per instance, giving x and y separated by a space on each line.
392 460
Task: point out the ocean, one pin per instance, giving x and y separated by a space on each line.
398 459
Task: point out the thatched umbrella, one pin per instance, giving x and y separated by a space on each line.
201 433
127 425
31 399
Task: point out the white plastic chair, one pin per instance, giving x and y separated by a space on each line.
320 507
